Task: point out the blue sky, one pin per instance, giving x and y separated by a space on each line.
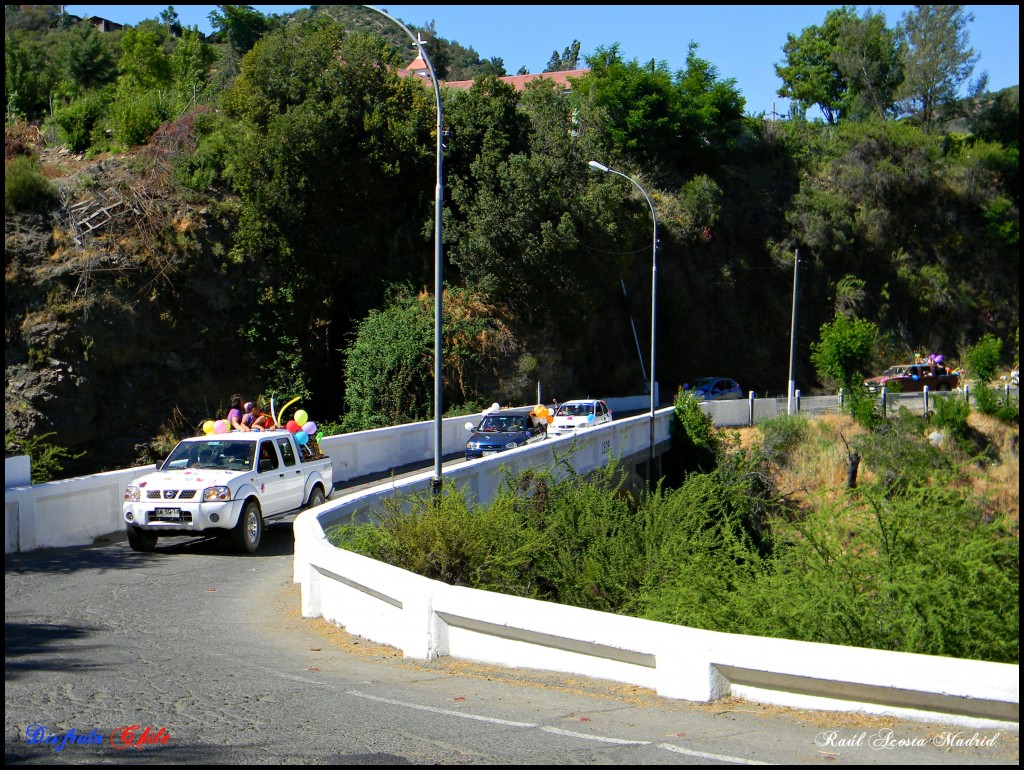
742 41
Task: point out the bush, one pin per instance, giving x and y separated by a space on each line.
78 120
134 116
694 435
46 457
950 415
26 189
918 572
781 434
982 359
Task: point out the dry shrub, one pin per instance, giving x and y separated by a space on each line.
997 484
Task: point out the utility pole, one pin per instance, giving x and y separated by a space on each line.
792 335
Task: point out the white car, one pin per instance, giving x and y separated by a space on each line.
579 414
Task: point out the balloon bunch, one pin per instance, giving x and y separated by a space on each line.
542 413
220 426
301 427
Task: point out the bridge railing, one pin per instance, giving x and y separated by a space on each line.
426 618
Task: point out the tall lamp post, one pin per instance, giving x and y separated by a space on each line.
438 261
654 296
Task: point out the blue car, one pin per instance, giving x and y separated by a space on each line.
714 389
504 429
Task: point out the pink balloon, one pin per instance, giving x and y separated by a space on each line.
221 426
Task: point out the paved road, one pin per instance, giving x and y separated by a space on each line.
209 647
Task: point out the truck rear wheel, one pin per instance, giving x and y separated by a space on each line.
140 540
248 532
316 497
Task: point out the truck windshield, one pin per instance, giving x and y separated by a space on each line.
215 453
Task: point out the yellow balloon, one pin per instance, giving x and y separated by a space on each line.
301 417
280 415
208 426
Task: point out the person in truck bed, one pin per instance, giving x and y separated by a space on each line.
257 419
236 414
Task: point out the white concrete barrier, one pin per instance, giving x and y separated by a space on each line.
425 619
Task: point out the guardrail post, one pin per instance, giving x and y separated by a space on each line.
841 394
925 393
967 395
796 399
750 416
884 414
1006 390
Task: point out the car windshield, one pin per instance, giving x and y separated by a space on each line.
214 453
505 423
895 371
574 410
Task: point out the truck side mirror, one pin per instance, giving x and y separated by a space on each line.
266 465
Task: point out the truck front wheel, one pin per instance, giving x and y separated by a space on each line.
248 532
140 540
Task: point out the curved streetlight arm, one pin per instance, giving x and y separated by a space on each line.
654 284
438 253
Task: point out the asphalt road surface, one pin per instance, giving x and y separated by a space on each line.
194 654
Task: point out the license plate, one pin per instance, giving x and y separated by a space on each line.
166 514
491 452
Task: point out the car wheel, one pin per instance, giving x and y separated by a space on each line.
316 497
248 531
942 387
140 540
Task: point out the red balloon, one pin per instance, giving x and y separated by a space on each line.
292 426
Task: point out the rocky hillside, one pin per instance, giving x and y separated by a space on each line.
118 309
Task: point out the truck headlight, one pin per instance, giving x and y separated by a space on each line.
132 494
216 495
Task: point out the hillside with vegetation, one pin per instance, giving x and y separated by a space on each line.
187 217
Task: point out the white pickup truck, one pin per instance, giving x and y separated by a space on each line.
227 483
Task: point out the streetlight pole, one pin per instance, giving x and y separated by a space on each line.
438 260
654 298
792 336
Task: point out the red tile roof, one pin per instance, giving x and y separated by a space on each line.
518 82
419 67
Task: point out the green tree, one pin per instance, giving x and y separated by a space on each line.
389 366
242 25
868 55
569 60
28 79
810 74
937 58
143 64
90 63
328 161
674 122
171 21
849 66
842 354
190 61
